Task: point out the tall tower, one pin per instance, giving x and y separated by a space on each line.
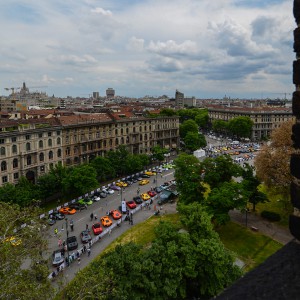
294 220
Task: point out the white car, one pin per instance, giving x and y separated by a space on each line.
108 191
58 258
96 198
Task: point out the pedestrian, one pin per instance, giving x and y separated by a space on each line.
78 260
109 233
95 216
55 231
65 248
92 216
87 226
59 243
84 248
89 251
72 227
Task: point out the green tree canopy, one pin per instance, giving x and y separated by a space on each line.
80 180
241 126
194 141
104 168
16 281
187 126
158 153
118 159
220 169
202 118
188 178
219 125
169 112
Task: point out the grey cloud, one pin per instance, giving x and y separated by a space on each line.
163 64
262 26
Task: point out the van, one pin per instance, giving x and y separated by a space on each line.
235 143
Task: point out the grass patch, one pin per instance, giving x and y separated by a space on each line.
277 205
252 248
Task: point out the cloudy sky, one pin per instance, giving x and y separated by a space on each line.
204 48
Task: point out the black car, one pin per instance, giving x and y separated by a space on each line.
72 243
137 200
158 189
128 181
145 176
77 206
57 216
134 179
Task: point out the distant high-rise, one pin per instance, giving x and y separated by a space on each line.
179 99
110 93
95 95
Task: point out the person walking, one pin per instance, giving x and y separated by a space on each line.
78 261
72 225
92 216
89 251
59 243
87 226
55 231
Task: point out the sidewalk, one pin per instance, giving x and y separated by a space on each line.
278 233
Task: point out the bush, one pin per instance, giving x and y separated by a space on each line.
270 215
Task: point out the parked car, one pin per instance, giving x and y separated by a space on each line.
144 181
72 243
106 221
158 189
150 173
121 184
56 216
145 196
108 191
67 210
128 181
151 193
131 204
115 188
137 200
51 222
103 194
145 176
57 258
97 229
85 236
87 201
77 206
115 214
96 198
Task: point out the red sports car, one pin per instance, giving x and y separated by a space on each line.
151 193
131 204
115 214
97 229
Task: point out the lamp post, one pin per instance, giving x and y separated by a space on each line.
66 219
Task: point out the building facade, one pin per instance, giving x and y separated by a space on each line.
265 119
31 147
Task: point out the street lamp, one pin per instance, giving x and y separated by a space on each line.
66 219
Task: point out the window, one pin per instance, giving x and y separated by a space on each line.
68 150
2 141
57 132
42 168
58 141
16 175
15 163
59 153
3 166
14 149
41 145
50 154
40 135
41 156
27 137
4 179
27 146
14 139
50 143
49 133
28 160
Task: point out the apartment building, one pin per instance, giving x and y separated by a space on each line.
265 119
30 147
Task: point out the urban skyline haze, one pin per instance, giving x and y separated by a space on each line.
206 49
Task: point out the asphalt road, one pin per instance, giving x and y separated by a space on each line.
82 218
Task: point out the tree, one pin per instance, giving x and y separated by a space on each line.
187 126
168 112
250 185
188 179
219 125
220 169
104 168
158 153
222 199
272 162
194 141
133 163
240 126
118 159
80 180
16 281
202 118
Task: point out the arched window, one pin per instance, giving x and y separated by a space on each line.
2 151
68 161
14 149
41 156
41 145
59 153
58 141
110 142
3 166
28 147
117 141
50 143
28 159
50 154
15 163
122 141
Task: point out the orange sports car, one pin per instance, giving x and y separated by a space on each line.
67 210
115 214
106 221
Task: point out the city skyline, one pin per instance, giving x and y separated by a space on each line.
203 48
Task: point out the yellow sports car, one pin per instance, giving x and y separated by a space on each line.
144 181
145 196
121 184
150 173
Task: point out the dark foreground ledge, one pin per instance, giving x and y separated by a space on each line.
276 278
